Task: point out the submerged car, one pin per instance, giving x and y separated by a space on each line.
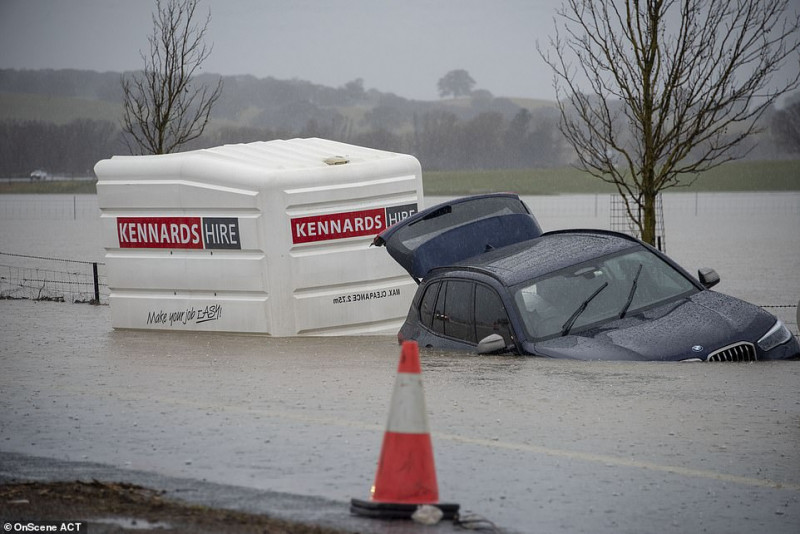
491 281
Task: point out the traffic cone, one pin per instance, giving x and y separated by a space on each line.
406 476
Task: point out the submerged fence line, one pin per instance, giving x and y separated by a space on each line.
40 278
43 278
677 203
33 277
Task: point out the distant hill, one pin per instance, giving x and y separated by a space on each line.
56 109
59 96
64 121
58 120
85 84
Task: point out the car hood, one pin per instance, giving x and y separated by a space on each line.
692 327
453 231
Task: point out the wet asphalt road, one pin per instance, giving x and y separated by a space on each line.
294 427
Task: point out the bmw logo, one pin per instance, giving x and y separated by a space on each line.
697 348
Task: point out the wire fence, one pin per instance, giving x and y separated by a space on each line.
600 206
36 277
40 278
592 205
620 220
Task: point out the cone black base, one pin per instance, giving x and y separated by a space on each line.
388 510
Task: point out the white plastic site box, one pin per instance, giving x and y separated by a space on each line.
269 237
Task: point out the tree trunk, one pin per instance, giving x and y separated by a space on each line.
649 218
649 193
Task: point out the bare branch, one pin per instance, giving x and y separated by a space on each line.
163 110
652 90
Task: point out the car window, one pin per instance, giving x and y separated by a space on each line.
464 310
598 291
439 316
427 306
458 309
455 215
490 314
452 313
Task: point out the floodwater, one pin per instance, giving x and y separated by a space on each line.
532 445
751 239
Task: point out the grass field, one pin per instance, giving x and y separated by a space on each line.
54 187
739 176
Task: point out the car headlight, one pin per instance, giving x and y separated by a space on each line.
777 335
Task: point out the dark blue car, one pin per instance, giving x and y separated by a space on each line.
491 281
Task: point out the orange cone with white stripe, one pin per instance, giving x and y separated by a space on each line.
406 476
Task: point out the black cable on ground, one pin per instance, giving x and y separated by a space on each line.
475 522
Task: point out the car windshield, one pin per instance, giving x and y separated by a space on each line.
598 291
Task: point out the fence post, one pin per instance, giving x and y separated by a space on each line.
96 283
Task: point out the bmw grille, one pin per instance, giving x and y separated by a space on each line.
740 352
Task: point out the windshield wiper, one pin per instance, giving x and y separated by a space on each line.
574 317
632 292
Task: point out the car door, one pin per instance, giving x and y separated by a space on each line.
490 315
459 313
454 311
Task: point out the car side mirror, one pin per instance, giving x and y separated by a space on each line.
491 343
708 277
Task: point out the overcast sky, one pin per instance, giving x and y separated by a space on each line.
398 46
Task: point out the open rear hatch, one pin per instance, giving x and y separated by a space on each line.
456 230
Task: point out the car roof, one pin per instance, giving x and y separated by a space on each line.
550 252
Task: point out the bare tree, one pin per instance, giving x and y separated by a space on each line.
672 86
785 127
456 82
163 109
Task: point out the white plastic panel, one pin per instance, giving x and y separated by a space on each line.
269 220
